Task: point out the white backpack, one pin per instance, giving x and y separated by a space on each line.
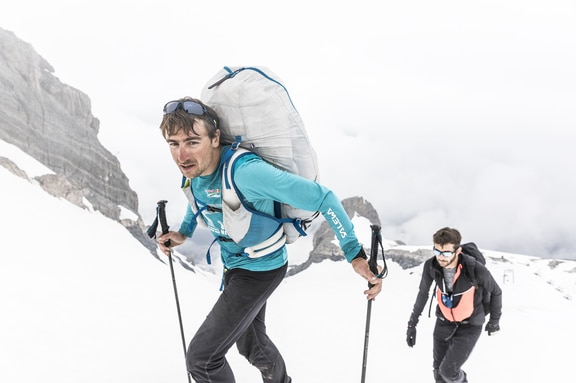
256 113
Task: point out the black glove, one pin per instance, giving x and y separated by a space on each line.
411 336
492 327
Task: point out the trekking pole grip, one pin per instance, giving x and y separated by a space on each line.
162 217
372 262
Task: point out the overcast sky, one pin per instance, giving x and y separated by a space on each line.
438 113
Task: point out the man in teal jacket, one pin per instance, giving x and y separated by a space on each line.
238 316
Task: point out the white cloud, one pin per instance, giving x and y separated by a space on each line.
445 113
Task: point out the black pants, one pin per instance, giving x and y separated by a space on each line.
238 316
452 347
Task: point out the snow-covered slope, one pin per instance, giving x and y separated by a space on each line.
82 301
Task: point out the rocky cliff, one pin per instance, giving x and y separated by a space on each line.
53 123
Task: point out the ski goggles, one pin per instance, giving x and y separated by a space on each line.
190 107
445 254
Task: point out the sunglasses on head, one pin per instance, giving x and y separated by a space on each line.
190 107
445 254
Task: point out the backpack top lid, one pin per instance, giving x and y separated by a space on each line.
256 112
472 250
254 106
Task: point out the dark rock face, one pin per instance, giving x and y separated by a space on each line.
408 259
53 123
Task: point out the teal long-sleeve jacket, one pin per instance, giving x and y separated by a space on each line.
261 184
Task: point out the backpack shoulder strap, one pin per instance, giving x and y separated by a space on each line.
231 195
229 191
433 294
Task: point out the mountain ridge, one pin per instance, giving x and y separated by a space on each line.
53 123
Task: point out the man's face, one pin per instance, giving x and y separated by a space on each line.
446 255
195 154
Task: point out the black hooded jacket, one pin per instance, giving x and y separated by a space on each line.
472 273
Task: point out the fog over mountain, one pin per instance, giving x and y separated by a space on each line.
86 297
438 113
84 300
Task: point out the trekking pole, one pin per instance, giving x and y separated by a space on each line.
372 262
161 215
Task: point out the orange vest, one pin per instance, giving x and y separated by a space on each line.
463 302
